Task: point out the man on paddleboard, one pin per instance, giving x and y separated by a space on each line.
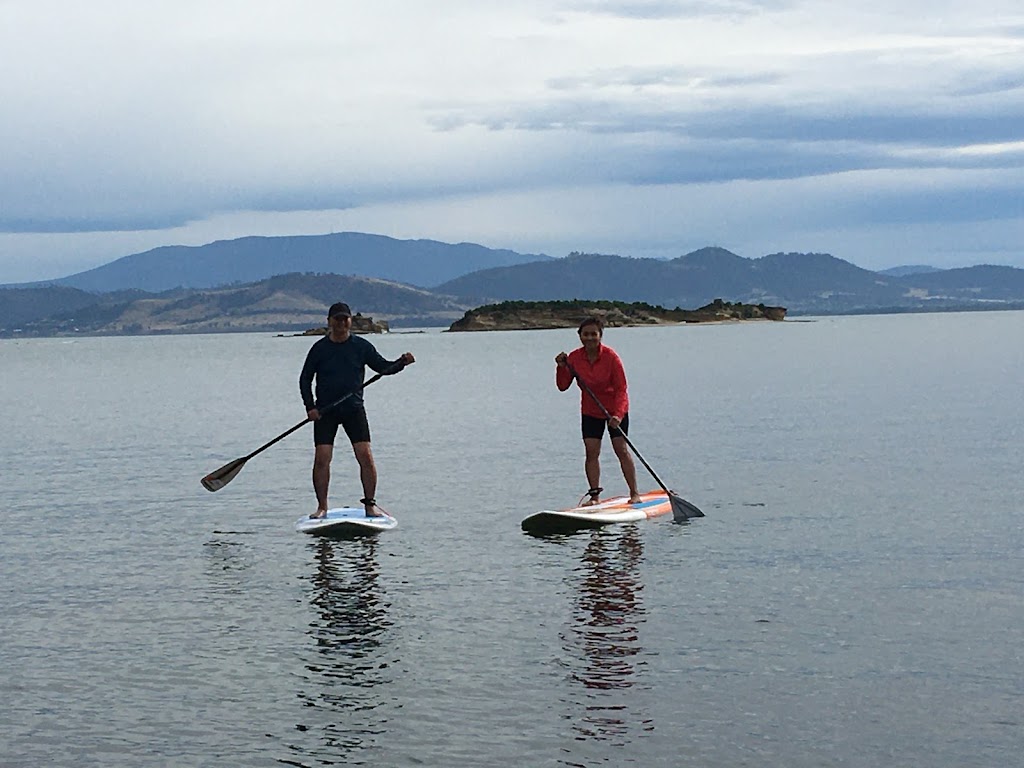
600 368
338 363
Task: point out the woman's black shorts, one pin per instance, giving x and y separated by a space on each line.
593 427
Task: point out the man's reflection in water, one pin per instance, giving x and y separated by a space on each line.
604 636
347 661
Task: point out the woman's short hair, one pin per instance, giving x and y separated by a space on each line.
596 321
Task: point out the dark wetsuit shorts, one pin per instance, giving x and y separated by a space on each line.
352 420
594 427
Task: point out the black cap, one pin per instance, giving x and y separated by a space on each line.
340 309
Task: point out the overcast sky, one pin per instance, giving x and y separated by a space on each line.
883 133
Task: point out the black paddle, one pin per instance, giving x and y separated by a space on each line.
221 477
681 508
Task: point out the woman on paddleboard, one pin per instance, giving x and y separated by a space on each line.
600 369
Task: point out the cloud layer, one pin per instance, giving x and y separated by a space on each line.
880 134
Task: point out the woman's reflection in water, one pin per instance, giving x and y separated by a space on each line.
604 636
348 660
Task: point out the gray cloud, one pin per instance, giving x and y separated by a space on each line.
985 84
774 131
947 205
674 9
165 120
645 77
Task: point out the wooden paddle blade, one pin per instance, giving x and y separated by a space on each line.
221 477
682 509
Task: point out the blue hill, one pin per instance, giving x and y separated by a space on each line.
248 259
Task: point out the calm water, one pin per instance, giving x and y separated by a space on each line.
855 596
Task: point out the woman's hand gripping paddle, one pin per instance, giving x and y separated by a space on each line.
681 508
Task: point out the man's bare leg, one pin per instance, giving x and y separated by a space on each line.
367 476
322 477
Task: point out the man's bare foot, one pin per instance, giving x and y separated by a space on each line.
372 510
318 515
634 498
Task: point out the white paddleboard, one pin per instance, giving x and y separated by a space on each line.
345 520
606 512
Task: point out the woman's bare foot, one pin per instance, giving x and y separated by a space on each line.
318 515
634 498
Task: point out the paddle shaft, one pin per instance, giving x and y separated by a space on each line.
280 437
305 421
625 437
221 477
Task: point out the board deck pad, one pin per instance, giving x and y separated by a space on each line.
345 520
607 512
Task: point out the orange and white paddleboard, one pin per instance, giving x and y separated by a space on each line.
606 512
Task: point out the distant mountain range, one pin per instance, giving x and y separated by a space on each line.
287 283
415 262
803 282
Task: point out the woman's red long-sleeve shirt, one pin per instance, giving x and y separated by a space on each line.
606 378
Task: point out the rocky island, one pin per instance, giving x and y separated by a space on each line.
536 315
360 324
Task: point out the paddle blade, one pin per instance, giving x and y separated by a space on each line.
682 509
221 477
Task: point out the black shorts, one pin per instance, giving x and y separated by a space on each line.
353 420
593 427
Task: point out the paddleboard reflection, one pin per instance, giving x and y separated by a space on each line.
604 637
346 660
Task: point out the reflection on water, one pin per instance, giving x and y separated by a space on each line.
604 637
346 660
225 564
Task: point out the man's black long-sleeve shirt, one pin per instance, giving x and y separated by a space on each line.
339 368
